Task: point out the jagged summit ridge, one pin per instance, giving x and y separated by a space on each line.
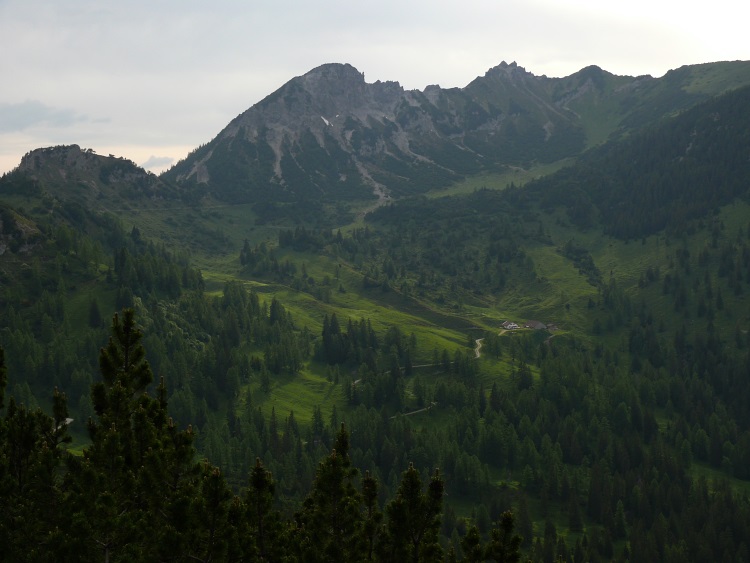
507 69
330 134
382 138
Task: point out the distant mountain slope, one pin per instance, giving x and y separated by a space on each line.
329 135
672 172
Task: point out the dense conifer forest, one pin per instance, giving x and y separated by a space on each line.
137 492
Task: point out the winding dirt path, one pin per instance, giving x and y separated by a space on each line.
478 341
478 347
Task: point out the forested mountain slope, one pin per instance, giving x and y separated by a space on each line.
615 427
670 174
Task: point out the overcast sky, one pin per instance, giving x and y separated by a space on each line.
151 80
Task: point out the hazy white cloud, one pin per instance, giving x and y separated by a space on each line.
171 74
157 162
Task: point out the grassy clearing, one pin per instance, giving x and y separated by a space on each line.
299 393
712 475
565 293
499 181
349 300
80 437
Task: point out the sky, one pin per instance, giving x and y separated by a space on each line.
150 80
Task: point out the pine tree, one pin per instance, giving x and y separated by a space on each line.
526 526
330 525
495 399
504 545
263 523
471 544
32 523
106 480
133 488
414 519
620 527
373 517
213 532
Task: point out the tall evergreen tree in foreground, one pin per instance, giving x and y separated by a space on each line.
262 534
504 546
137 482
31 519
414 520
330 526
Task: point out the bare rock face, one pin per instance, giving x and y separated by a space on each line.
63 157
322 114
320 104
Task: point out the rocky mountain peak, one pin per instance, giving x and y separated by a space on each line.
335 72
63 159
61 167
326 105
65 156
507 70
